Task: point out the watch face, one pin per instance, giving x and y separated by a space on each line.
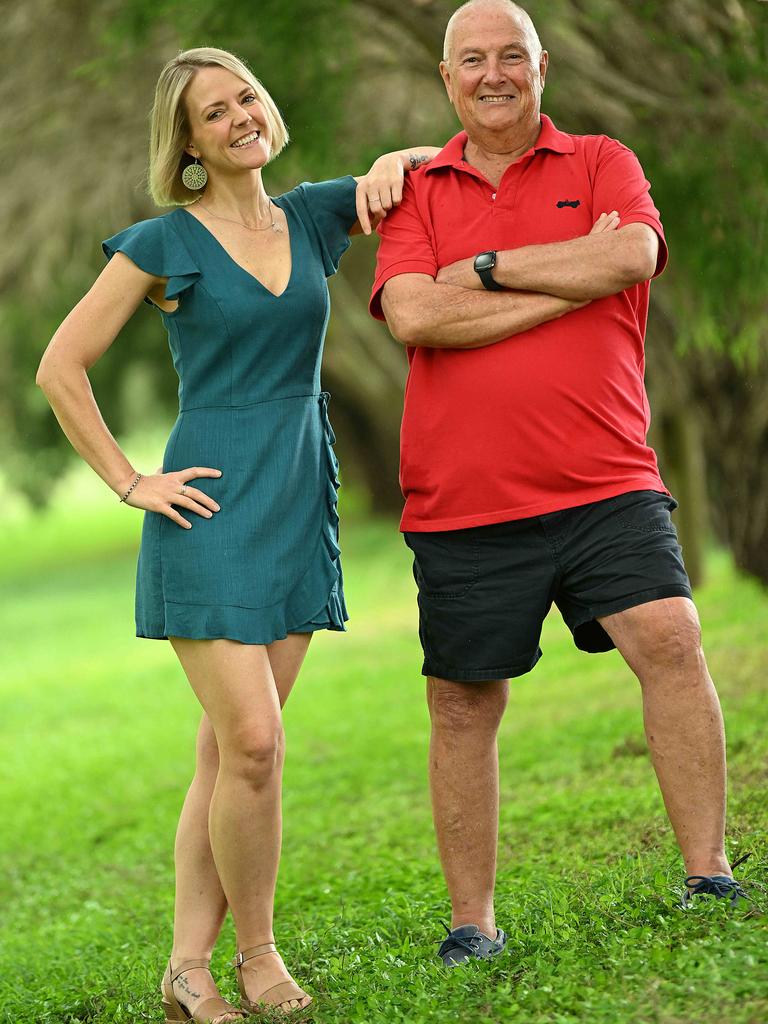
485 261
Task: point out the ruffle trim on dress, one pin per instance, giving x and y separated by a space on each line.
316 602
335 612
157 248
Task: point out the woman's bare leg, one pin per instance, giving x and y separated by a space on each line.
242 688
200 901
286 658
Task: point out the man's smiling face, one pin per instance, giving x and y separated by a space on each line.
495 70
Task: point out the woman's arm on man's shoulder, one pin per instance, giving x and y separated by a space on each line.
381 188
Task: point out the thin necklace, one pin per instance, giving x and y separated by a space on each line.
277 228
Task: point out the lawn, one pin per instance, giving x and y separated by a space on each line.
97 733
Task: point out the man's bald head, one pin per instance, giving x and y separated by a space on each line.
515 10
494 73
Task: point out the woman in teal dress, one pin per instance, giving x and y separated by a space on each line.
239 560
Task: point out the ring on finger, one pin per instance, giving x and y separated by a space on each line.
183 489
374 199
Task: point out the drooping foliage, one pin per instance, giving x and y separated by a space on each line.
682 82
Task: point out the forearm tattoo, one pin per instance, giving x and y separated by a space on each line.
417 159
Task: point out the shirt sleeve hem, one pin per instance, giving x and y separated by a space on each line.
663 256
395 270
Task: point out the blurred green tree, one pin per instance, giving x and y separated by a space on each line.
684 84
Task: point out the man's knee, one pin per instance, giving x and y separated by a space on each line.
683 639
659 637
466 707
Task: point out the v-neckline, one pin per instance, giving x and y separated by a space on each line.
233 261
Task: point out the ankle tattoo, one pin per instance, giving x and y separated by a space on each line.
181 981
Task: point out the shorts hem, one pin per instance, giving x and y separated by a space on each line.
454 675
634 600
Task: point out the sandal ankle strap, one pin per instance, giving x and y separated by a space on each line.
253 951
185 965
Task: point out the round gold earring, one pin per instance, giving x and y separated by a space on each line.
194 176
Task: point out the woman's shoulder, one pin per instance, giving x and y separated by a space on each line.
157 246
151 230
327 210
334 195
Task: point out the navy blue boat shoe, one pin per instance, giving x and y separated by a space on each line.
722 887
469 943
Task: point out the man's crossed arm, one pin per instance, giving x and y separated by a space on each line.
601 263
544 282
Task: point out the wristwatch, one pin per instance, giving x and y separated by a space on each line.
484 264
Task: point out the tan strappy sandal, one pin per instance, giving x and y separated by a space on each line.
273 996
207 1011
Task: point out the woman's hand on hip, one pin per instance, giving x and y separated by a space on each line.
161 491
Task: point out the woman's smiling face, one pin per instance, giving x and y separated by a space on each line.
229 130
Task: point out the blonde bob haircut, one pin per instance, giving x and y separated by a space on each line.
169 132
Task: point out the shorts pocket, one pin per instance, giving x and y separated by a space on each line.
445 565
647 512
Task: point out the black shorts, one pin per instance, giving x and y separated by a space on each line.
484 591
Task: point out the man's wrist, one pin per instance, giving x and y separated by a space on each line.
483 266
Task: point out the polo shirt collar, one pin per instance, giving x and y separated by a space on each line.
550 137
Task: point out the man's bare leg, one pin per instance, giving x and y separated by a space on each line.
661 643
464 780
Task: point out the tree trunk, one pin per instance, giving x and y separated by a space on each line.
736 429
683 460
365 370
676 435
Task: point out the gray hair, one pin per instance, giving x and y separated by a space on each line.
513 8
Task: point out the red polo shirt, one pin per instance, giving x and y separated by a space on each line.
548 419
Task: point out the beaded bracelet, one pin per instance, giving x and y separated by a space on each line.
138 477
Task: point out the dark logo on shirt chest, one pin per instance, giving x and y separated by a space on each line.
568 202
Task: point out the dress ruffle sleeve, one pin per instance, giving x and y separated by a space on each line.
156 247
330 209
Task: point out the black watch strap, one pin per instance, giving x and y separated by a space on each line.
484 264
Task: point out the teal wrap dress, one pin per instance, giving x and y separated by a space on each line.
251 405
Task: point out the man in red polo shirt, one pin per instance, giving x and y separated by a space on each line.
516 271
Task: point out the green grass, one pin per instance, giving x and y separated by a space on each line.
97 730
